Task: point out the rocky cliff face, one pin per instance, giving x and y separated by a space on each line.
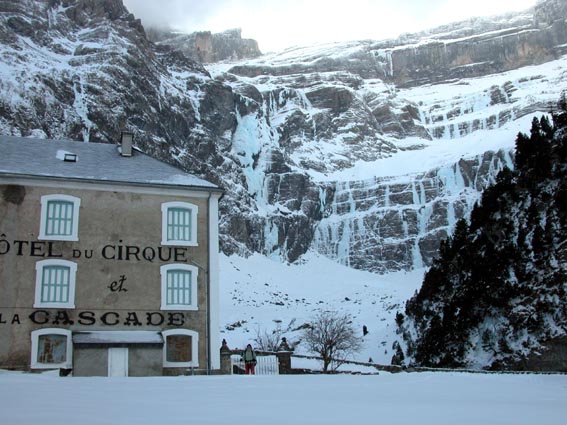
324 109
206 47
549 12
94 73
388 224
468 49
466 53
346 149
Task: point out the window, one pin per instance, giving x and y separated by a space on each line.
55 284
180 348
51 349
179 224
59 218
179 287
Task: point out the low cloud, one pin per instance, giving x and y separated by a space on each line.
276 24
175 13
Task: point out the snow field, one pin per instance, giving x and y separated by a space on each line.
405 398
257 293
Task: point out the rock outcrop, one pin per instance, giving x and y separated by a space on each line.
383 225
468 49
206 47
471 53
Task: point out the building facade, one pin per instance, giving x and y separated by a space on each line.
108 261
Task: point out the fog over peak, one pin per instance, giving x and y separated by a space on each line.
277 25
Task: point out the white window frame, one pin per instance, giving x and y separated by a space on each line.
194 209
67 364
39 266
194 279
45 199
194 348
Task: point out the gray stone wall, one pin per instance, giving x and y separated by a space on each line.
90 361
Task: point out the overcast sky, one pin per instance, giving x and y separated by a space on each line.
277 24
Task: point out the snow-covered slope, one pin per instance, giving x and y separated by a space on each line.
260 295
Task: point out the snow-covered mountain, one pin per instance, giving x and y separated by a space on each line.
366 153
346 149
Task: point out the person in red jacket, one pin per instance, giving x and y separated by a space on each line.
249 358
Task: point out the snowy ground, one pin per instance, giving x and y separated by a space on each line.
416 398
258 293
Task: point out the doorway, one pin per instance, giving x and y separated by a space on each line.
118 361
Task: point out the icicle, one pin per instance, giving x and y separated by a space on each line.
271 237
81 107
451 220
447 130
343 248
417 259
422 192
415 196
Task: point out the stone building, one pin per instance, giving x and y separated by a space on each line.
108 261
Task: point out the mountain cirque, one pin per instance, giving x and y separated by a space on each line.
287 134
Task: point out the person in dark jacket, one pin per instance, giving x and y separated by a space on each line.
249 358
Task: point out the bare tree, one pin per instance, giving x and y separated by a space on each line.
332 336
267 340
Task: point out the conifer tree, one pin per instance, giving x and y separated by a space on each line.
501 274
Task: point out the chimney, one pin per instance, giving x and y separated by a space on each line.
126 143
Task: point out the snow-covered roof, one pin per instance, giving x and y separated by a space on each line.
118 337
100 162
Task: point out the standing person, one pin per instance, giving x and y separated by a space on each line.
249 357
